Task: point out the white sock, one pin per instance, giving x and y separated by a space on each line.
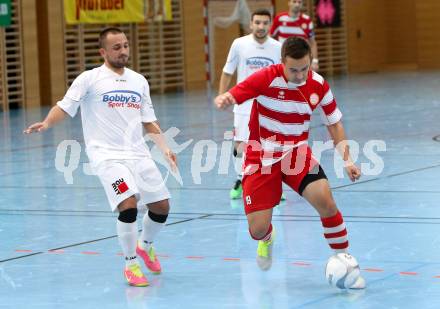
149 231
127 235
239 166
240 176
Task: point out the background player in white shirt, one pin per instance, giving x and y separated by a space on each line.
115 108
247 55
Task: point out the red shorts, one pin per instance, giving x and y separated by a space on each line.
262 187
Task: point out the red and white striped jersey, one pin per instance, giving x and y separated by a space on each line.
281 111
285 26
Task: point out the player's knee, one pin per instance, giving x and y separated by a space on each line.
159 218
161 207
128 203
328 209
258 231
128 216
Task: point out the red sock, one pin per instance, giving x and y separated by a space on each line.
335 232
266 237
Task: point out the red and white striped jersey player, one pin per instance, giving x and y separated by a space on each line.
295 23
285 96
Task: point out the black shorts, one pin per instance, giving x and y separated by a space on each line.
312 176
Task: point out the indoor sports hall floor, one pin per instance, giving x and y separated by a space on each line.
57 240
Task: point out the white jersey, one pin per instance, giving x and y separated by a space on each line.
247 56
113 108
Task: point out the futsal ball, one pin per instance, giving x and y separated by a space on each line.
342 270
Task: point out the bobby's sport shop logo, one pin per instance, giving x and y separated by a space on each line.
122 98
256 63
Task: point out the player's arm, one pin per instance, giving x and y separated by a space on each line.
152 127
314 48
225 81
229 67
55 115
247 89
224 100
67 106
155 133
337 133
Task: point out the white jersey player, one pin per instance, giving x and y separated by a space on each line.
115 107
248 55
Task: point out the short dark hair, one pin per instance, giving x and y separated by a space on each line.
264 12
296 48
103 34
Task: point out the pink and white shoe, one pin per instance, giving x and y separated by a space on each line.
134 275
150 259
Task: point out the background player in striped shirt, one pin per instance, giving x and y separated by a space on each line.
295 23
247 55
285 96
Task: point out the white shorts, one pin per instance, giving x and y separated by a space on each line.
241 127
124 178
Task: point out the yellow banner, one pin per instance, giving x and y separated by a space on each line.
168 10
103 11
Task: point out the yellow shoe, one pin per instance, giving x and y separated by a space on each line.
264 252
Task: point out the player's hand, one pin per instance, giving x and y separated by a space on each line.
224 100
36 127
314 66
353 172
172 159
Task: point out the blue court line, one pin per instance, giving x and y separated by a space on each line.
54 215
53 187
387 176
389 191
27 171
222 219
85 215
284 258
100 188
223 214
90 241
318 220
27 148
190 188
